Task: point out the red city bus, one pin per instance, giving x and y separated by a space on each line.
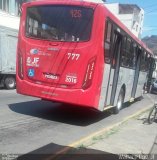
78 52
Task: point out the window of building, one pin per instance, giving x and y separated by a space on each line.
11 6
4 5
0 4
18 4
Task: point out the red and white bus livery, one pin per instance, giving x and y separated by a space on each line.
78 52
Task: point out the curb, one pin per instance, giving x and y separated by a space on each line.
88 138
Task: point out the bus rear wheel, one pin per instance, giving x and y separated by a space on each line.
120 102
10 82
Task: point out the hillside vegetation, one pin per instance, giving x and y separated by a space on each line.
151 42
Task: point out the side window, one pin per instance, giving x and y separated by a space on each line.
107 43
143 64
126 55
123 56
148 61
108 34
129 54
134 53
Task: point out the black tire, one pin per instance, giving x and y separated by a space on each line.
10 82
152 115
120 102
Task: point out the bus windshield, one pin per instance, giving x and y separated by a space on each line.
59 23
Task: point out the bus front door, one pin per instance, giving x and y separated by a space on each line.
114 69
136 77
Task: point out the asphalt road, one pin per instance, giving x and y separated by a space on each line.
30 125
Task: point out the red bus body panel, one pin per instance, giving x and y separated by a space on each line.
53 60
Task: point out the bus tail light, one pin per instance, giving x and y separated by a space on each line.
89 73
20 65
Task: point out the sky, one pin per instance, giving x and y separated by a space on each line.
150 15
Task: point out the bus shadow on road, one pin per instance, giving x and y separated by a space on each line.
65 113
49 152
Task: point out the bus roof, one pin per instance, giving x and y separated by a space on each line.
89 3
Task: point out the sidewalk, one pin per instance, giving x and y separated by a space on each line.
131 139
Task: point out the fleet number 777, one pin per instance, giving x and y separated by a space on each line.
73 56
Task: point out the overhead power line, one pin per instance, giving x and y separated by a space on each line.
152 11
152 26
150 6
